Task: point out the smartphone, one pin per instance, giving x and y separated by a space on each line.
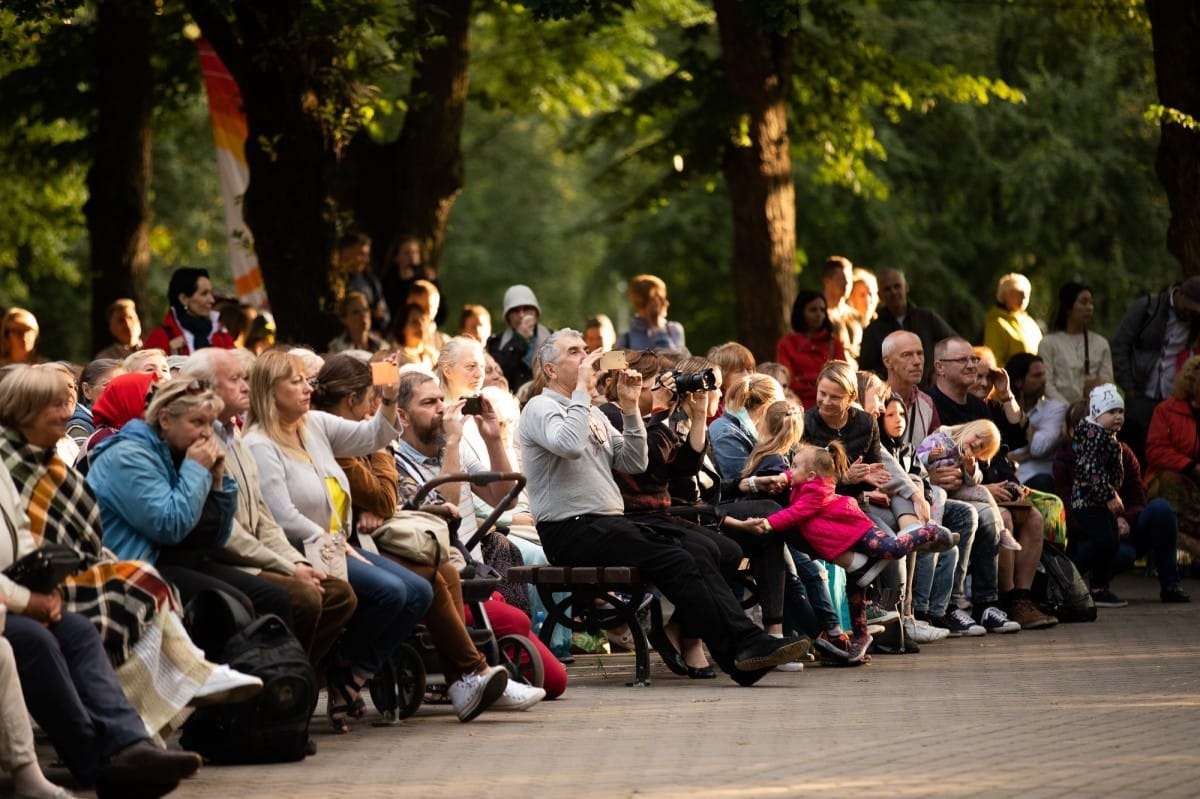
610 361
473 406
384 373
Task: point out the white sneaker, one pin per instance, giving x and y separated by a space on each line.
794 665
472 694
994 620
519 696
922 631
226 686
1008 542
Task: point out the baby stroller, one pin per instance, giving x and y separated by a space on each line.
398 689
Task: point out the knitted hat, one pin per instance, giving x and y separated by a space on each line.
519 295
1105 398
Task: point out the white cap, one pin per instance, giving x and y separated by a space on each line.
519 295
1104 398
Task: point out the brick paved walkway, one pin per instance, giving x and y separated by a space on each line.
1086 710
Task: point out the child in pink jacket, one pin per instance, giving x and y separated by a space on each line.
835 528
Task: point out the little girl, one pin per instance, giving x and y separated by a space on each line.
833 525
962 446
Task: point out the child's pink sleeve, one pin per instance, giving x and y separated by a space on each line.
804 505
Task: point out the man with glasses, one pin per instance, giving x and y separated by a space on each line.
955 368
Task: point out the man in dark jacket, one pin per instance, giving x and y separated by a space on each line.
897 313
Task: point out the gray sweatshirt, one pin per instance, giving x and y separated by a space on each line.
569 451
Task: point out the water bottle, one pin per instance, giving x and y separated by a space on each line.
538 619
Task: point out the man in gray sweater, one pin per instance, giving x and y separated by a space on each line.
569 451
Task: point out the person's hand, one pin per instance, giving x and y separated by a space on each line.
391 390
452 419
46 609
443 509
629 390
999 381
524 519
1000 492
748 526
921 506
937 453
218 470
310 575
695 405
1122 527
527 325
948 477
586 381
488 422
368 522
205 451
1115 506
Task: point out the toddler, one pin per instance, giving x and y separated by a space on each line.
833 525
962 446
1095 498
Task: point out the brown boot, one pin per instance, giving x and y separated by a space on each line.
1027 614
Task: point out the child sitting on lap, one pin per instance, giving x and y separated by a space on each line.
833 525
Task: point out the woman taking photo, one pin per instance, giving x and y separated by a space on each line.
190 322
809 346
1076 359
309 495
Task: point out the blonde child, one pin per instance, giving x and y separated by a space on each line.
833 525
963 446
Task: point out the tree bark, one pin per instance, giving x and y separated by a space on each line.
1176 30
408 187
758 170
118 205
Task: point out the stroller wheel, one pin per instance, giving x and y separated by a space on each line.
522 659
410 680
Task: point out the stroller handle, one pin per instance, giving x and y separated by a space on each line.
480 478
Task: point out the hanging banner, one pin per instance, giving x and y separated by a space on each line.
229 131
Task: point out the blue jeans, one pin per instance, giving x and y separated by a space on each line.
933 581
1156 529
981 558
391 602
72 692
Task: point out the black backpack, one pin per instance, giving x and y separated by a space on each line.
273 726
1059 589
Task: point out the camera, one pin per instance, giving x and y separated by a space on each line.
687 382
473 406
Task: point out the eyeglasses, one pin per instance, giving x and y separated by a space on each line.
964 359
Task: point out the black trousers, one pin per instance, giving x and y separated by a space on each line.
192 574
680 562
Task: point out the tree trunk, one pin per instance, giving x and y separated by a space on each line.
758 170
118 205
408 187
1176 29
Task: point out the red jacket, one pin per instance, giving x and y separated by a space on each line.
830 522
170 331
1171 443
805 357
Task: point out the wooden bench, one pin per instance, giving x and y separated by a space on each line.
586 588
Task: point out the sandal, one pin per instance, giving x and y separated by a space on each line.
342 684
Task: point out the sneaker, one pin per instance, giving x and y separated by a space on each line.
1105 598
472 694
794 665
1029 616
859 645
1008 542
519 696
877 615
876 629
226 686
1174 594
994 620
959 623
943 540
833 647
922 631
765 652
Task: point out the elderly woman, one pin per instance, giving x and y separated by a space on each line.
1076 359
1008 328
134 608
1173 454
18 337
151 361
296 451
190 322
95 376
649 327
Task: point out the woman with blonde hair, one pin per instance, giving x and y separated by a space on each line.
1008 328
780 431
148 361
734 433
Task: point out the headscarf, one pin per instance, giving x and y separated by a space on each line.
122 399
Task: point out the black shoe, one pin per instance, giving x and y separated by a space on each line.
703 673
748 678
145 770
766 652
667 651
1174 594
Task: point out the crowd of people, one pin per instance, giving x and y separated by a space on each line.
880 444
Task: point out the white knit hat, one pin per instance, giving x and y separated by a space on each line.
519 295
1105 398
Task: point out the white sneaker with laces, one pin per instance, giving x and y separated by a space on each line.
226 686
472 694
922 631
994 620
519 696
